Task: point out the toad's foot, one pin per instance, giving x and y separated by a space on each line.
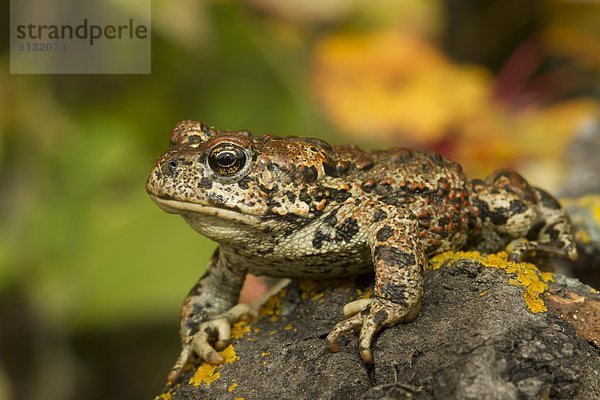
212 335
368 316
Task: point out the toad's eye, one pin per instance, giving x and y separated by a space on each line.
228 160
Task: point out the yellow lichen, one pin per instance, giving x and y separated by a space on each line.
534 302
288 327
239 329
272 307
232 387
585 214
582 236
525 275
265 354
229 354
590 202
207 373
165 396
308 288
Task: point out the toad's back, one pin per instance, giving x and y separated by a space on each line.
435 189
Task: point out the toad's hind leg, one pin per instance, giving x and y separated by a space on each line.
554 236
527 219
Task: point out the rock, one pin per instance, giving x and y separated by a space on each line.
488 329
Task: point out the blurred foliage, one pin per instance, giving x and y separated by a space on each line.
395 85
80 233
86 249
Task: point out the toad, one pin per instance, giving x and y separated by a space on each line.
298 207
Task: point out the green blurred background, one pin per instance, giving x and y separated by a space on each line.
92 273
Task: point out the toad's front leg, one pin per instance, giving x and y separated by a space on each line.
209 310
399 261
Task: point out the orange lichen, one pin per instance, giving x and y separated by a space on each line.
207 373
525 275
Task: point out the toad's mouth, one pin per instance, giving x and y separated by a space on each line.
185 208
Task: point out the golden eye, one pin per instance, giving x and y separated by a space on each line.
227 159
